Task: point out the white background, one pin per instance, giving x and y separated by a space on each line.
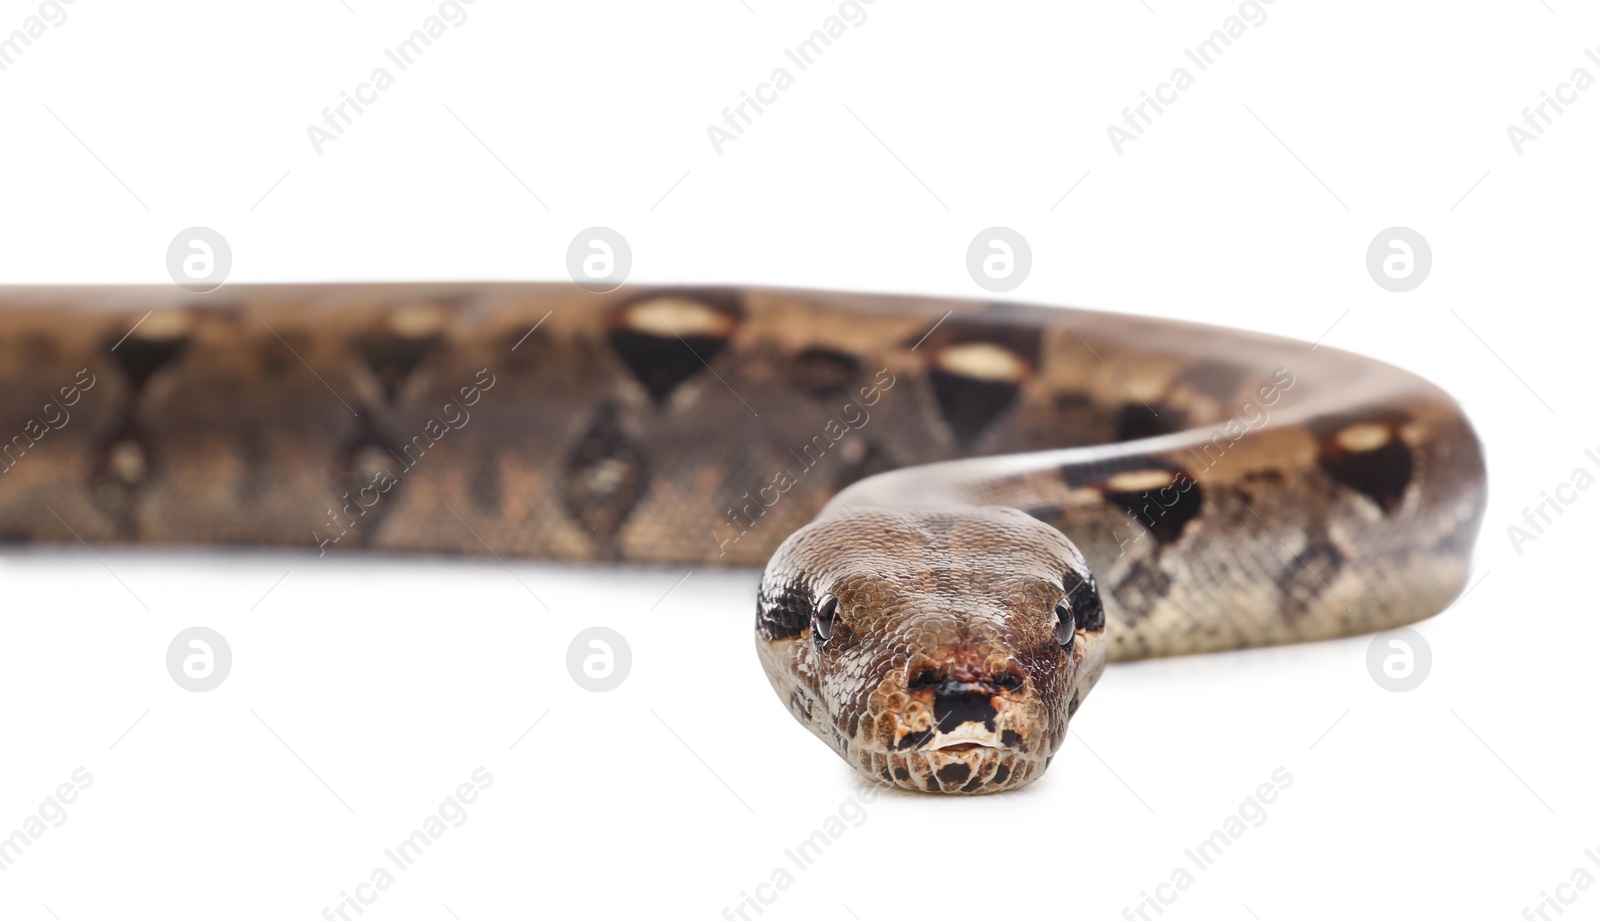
363 692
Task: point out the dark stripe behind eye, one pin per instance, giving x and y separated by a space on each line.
1084 599
783 612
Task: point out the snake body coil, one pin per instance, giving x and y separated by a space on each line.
968 508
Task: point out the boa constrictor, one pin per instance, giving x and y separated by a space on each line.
969 508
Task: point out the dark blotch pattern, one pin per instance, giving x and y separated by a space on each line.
140 359
969 405
114 482
1381 474
824 373
1136 420
1141 588
1163 511
1306 579
605 476
662 363
393 359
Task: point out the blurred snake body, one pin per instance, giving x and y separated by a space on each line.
964 509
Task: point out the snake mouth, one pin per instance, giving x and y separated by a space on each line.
971 736
956 747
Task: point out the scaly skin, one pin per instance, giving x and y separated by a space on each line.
1225 489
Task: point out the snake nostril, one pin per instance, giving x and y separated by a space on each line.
942 682
1008 681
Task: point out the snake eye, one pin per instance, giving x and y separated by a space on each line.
822 624
1064 629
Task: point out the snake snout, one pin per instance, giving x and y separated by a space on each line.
964 694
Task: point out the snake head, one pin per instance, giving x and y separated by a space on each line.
941 650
